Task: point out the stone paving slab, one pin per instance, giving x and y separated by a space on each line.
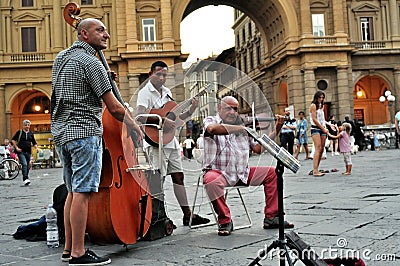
362 209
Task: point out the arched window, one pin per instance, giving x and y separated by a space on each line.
37 105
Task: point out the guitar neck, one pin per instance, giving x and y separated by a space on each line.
182 106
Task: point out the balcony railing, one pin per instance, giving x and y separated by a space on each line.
26 57
370 45
150 46
325 40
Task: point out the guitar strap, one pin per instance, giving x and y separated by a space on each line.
172 99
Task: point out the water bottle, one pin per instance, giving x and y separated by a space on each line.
52 228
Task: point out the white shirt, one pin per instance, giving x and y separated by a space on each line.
188 143
200 142
150 98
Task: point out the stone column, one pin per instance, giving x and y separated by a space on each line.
306 21
384 22
345 93
350 20
3 132
394 19
309 84
8 34
338 17
113 17
131 25
58 26
3 35
47 31
295 83
396 89
166 19
133 85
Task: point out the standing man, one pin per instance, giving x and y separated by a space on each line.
22 141
154 95
287 133
397 133
189 144
80 86
226 162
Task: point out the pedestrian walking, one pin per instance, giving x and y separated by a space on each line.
189 144
22 141
288 132
333 130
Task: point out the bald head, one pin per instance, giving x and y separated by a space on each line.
85 25
229 100
93 32
228 110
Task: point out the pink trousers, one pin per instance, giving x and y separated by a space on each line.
215 183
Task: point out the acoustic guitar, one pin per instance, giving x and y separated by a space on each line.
170 110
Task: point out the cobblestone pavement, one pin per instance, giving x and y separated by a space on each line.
335 214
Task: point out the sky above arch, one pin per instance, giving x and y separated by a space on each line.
207 31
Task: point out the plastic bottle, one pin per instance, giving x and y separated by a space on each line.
52 228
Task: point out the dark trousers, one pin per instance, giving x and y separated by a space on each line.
287 141
24 159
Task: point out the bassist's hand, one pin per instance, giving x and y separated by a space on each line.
135 133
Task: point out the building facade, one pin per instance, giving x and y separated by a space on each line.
34 31
291 48
348 49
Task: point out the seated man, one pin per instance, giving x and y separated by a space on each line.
226 156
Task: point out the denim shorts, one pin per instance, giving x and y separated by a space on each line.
82 162
318 131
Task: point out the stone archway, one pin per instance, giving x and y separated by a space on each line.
367 107
40 120
276 19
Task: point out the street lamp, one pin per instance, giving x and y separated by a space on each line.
390 98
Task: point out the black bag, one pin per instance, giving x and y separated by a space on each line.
36 231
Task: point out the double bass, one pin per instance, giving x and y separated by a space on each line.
120 212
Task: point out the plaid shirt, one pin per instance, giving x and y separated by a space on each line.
227 153
76 104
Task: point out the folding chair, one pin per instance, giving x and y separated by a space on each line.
227 190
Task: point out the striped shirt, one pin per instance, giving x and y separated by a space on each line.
76 104
227 153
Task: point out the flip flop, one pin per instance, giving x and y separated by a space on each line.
319 174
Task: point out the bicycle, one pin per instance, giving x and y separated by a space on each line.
9 168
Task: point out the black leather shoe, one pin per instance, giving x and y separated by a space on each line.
196 220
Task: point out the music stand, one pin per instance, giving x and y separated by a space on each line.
284 158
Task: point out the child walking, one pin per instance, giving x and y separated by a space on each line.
345 146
